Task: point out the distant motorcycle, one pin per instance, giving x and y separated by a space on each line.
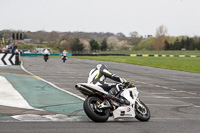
46 57
64 58
100 105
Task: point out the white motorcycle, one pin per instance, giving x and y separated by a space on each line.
100 105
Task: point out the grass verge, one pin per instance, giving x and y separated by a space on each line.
160 52
174 63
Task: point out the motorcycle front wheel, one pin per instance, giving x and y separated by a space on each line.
64 60
45 58
93 112
142 113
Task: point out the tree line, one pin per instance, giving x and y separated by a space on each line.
92 42
186 43
75 45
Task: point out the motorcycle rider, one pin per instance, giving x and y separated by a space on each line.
64 54
46 53
100 73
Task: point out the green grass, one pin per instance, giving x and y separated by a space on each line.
174 63
160 52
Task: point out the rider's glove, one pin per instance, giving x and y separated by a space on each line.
128 84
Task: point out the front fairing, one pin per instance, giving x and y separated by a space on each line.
131 95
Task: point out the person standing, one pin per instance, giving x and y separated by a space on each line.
10 47
14 47
7 48
13 50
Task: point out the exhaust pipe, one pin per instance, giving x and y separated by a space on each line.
82 88
86 90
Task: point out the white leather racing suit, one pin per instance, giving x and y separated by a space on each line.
98 75
46 52
64 54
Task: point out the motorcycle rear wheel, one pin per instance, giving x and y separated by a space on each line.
93 112
142 114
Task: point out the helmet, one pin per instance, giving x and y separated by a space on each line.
101 66
64 51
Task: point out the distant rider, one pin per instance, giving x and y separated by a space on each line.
100 73
46 53
64 54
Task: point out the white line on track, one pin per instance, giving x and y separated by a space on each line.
44 118
51 83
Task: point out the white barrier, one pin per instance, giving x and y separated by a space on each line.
9 59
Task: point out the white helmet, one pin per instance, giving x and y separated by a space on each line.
100 66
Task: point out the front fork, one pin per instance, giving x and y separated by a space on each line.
139 106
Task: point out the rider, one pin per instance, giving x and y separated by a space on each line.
64 54
46 52
100 73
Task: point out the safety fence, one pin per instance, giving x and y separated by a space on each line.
40 54
132 55
100 55
163 55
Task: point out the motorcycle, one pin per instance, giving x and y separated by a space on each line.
64 58
46 57
100 105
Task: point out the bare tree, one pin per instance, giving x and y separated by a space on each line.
161 36
134 34
124 45
113 43
86 44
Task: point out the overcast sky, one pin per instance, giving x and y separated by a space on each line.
181 17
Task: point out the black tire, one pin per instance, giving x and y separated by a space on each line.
45 58
93 113
142 116
64 60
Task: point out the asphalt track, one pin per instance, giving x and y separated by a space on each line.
173 98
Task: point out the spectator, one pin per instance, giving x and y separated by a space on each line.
14 47
7 49
10 47
4 48
16 51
